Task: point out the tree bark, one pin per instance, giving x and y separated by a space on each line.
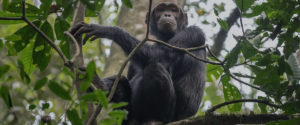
133 21
222 34
232 119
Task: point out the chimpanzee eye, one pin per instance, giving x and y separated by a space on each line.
174 10
159 9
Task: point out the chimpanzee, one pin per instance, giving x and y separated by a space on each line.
163 84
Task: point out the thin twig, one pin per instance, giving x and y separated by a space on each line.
76 45
241 20
252 86
11 18
186 50
114 87
241 100
213 55
197 48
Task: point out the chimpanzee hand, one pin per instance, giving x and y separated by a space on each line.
91 30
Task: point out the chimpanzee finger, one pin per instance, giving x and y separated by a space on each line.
84 29
87 36
77 26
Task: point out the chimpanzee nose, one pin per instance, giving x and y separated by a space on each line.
167 15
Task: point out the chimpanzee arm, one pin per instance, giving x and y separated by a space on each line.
189 37
118 35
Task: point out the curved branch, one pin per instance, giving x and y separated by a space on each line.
77 52
187 51
238 101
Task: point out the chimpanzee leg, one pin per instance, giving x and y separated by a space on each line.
123 92
153 98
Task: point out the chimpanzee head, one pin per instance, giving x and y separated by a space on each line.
167 18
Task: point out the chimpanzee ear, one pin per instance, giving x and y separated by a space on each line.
147 18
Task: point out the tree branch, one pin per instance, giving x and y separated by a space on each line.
232 119
49 41
11 18
238 101
187 51
77 48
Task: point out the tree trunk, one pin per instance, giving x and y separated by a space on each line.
133 21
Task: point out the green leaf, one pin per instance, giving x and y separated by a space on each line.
216 12
118 105
244 4
23 74
256 10
107 121
10 48
118 116
45 105
231 93
288 48
284 67
26 33
89 97
232 57
67 9
40 83
248 49
4 90
59 90
68 72
97 95
223 24
262 107
291 107
102 98
74 117
16 7
213 71
60 27
3 70
90 72
32 107
42 50
268 78
127 3
45 8
26 58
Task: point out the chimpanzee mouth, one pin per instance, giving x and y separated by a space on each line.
168 22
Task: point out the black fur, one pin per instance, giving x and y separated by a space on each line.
163 84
